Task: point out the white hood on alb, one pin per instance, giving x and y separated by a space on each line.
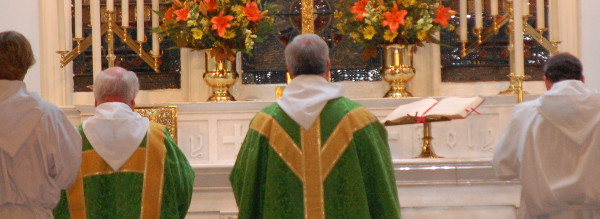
115 132
19 115
304 98
572 108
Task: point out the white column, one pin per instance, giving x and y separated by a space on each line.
589 42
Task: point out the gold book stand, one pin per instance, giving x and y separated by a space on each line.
427 148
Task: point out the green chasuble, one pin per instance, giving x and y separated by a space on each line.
156 181
340 168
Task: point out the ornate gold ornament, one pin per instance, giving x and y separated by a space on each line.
398 69
220 76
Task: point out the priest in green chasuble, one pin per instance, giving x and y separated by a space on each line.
131 167
314 153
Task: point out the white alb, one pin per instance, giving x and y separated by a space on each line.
40 153
553 146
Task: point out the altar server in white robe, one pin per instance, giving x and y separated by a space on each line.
553 145
40 150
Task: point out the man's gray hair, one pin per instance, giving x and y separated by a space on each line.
116 82
307 54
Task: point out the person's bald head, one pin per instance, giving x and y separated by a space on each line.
116 84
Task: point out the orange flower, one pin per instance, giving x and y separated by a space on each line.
221 23
443 15
251 11
211 5
359 9
394 19
182 14
169 14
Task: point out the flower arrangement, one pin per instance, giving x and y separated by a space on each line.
373 22
224 26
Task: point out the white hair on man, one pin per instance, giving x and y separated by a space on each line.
307 54
116 83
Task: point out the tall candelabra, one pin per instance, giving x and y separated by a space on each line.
109 29
516 18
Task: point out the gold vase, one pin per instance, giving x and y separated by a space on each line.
220 76
398 69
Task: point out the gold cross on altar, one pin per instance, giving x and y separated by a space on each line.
314 161
308 16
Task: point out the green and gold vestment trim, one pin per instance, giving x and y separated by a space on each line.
149 161
312 162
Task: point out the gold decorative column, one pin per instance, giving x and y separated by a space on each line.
308 25
427 149
398 69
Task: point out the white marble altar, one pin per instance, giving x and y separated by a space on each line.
461 185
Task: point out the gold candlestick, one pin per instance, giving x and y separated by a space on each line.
124 33
110 57
495 24
156 58
478 32
141 44
78 40
463 50
516 86
520 92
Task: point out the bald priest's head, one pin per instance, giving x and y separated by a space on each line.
116 84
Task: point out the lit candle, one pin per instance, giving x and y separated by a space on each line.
541 18
78 19
140 20
125 13
525 7
494 7
155 42
96 37
518 38
463 20
110 5
478 14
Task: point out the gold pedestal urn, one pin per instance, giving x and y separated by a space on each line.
220 76
398 69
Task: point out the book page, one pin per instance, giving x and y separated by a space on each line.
455 107
417 107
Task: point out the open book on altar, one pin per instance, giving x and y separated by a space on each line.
434 110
